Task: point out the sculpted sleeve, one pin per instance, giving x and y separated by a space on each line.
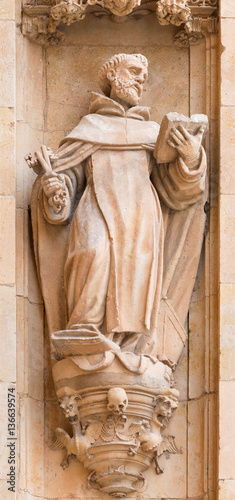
177 185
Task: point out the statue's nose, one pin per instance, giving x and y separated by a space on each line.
140 78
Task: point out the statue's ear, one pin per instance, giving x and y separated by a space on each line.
111 74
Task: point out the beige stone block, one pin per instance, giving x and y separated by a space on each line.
196 447
226 432
20 242
211 253
8 333
227 249
197 83
213 159
18 16
27 141
181 374
66 107
227 337
211 473
212 308
136 35
22 445
24 495
5 493
199 286
4 442
30 79
197 349
174 465
64 117
7 240
227 62
7 147
213 82
50 394
30 349
35 351
226 490
22 345
7 10
7 41
27 279
32 446
227 8
227 150
32 287
53 139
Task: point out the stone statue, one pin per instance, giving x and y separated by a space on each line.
132 241
117 242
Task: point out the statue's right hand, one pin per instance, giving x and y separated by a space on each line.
52 183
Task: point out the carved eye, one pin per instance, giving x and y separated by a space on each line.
111 407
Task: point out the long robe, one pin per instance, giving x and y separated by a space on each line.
114 267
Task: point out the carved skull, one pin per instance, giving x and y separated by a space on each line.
117 400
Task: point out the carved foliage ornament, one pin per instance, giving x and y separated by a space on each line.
42 17
173 12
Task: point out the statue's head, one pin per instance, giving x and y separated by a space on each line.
122 77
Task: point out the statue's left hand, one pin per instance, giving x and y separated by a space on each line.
187 145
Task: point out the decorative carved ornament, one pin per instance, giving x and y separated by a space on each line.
106 420
41 18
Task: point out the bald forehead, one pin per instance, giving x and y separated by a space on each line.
133 61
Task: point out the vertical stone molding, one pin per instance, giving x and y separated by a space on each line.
7 246
226 485
116 422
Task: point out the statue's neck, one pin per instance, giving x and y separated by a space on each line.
124 104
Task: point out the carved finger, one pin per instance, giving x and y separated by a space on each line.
52 181
54 187
184 132
61 178
178 134
171 144
49 175
43 162
201 131
176 139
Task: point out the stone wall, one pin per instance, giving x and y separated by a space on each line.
226 472
45 101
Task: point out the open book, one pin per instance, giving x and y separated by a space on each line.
165 153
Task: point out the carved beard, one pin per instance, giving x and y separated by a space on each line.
125 91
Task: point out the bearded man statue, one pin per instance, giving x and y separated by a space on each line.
114 232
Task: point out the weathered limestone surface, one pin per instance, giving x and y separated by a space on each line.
44 114
226 470
7 229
